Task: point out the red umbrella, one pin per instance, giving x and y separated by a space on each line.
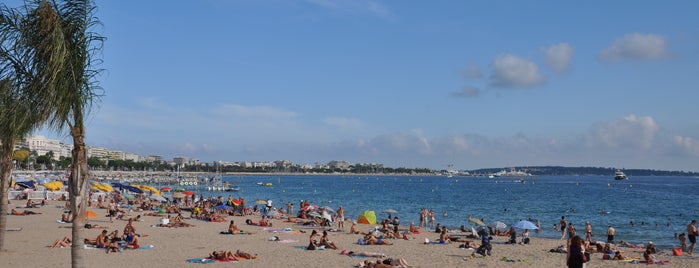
237 202
188 193
310 207
166 189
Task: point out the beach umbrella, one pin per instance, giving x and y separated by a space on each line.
525 225
497 225
90 214
188 193
223 207
314 214
260 202
475 221
133 189
390 211
367 217
328 209
179 189
237 202
25 184
127 196
273 214
158 198
166 189
310 207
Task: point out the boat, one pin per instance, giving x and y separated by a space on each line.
619 175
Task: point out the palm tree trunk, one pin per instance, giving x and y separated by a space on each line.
78 181
6 174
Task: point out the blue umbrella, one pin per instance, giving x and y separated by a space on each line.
26 184
133 189
525 225
223 207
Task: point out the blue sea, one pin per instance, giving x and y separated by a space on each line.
658 206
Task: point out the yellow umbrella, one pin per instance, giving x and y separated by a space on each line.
475 221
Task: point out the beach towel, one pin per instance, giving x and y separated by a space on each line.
63 222
199 260
16 229
287 241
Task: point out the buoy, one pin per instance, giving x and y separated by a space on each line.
283 191
433 190
609 185
353 190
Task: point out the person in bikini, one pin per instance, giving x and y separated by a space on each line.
324 241
65 242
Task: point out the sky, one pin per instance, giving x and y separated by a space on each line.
473 84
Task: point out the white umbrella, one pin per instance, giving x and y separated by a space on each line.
525 225
497 225
390 211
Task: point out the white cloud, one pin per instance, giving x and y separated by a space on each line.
559 56
687 144
513 71
628 132
636 46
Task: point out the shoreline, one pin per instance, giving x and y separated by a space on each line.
173 246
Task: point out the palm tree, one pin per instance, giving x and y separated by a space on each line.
16 116
64 53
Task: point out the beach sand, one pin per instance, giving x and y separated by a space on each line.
29 247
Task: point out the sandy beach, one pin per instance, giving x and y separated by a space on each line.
172 247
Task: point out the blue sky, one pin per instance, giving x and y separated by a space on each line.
406 83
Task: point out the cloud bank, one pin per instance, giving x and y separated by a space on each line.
636 46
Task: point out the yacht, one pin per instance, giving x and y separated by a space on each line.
619 175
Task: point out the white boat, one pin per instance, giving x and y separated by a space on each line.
619 175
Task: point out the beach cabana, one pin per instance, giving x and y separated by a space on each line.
367 217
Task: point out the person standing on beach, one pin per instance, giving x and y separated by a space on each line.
588 231
563 227
692 235
341 218
423 218
610 234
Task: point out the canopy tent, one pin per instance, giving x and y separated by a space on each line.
367 217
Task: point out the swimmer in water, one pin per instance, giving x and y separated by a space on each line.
445 214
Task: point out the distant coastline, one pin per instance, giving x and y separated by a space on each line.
530 170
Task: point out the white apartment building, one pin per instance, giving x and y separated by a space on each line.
43 145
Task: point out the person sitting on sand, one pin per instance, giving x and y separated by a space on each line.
114 240
353 228
363 254
101 241
324 241
313 241
67 217
443 237
23 213
132 240
413 229
649 256
65 242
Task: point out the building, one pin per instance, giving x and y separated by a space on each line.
43 145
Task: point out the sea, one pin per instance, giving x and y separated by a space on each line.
658 207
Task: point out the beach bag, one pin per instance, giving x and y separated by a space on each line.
677 251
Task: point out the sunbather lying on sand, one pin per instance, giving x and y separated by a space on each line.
363 254
23 213
65 242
